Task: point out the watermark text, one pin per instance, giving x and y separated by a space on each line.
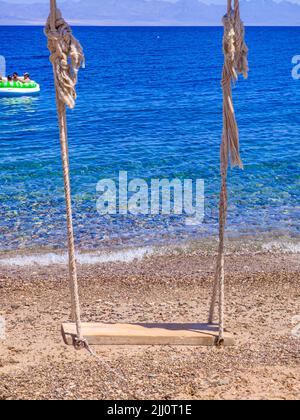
296 68
152 197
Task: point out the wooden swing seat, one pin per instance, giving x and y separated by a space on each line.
65 48
147 334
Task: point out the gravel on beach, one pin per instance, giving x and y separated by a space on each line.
263 305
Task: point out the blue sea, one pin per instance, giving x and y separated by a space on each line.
149 103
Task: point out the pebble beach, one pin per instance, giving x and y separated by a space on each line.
263 301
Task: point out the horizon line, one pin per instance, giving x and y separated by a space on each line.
94 25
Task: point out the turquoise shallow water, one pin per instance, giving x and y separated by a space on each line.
154 111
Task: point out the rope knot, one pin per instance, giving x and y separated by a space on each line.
66 57
235 63
80 344
234 46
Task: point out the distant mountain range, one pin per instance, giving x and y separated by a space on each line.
151 12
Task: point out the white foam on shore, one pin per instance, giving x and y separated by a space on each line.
45 260
130 255
282 246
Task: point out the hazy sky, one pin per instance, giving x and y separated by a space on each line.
203 1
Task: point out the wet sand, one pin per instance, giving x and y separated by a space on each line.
263 297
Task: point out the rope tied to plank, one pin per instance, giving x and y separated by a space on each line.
66 57
235 63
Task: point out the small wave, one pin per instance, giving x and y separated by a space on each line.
283 247
129 255
45 260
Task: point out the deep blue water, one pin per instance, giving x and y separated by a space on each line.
149 102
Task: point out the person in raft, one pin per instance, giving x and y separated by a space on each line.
25 79
9 79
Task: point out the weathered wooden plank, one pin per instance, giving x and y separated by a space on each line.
147 334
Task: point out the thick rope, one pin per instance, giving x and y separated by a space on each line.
66 58
235 63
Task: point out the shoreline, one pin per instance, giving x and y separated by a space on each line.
128 254
262 300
